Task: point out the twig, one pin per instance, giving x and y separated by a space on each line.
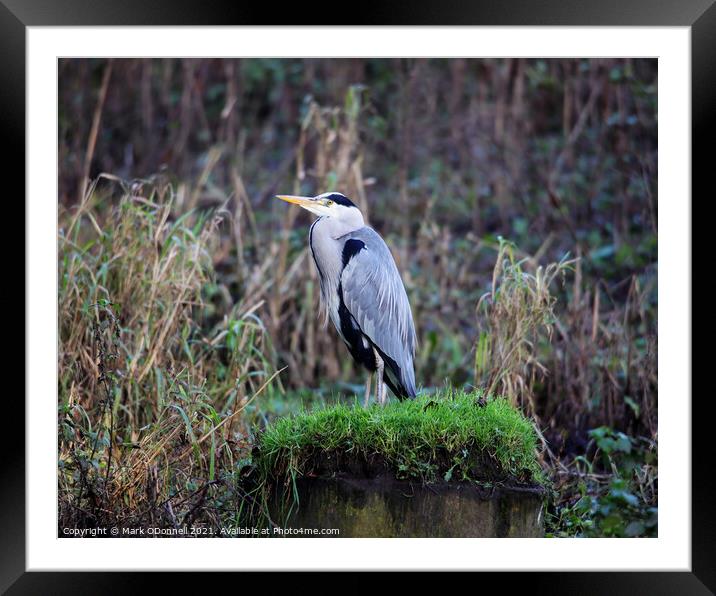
92 141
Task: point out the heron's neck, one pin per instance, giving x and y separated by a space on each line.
349 222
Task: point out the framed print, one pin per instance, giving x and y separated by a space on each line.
400 285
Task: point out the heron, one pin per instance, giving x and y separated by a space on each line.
362 293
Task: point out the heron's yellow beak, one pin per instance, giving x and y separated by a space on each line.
302 201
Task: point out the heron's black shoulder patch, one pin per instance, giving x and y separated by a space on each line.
351 248
337 197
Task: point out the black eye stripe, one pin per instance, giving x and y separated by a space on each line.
341 200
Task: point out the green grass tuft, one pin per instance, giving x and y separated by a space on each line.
454 436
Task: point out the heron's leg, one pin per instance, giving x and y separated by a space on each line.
379 385
367 390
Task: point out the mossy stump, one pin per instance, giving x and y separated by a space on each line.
387 508
455 465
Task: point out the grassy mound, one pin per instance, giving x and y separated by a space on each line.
454 436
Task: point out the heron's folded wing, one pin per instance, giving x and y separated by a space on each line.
374 294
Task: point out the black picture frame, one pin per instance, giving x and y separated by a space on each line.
699 15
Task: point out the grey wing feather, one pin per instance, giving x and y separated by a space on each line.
374 294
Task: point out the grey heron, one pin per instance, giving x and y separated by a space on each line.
362 293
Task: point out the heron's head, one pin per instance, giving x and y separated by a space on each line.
329 204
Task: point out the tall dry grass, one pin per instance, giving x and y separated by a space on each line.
152 379
516 319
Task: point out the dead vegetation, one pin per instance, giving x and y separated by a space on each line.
152 382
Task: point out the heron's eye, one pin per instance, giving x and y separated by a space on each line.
329 203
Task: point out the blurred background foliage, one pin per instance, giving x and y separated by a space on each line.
519 197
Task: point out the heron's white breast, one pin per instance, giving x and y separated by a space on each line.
327 256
